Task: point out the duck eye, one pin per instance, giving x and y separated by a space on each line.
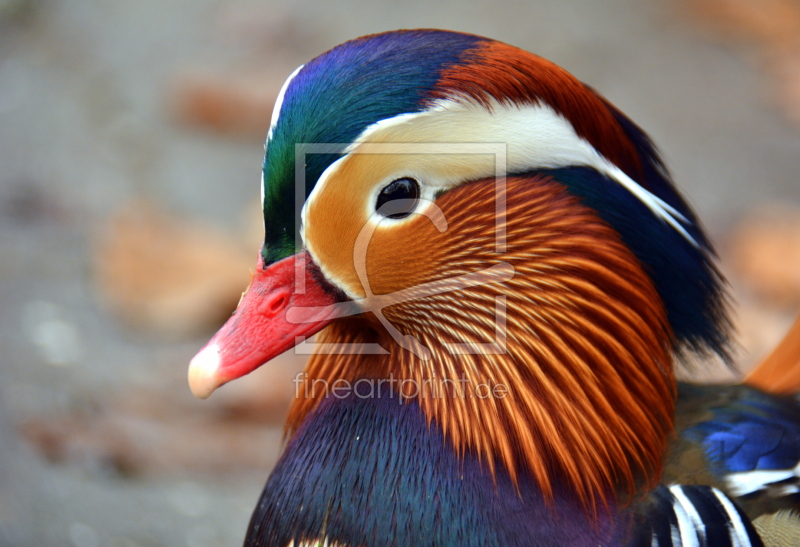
399 198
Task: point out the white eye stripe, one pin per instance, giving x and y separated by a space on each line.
535 136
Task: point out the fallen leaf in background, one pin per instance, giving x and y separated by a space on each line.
234 105
771 28
131 439
239 101
764 251
166 275
170 276
156 431
775 22
779 372
761 260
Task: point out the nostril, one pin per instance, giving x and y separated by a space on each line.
276 302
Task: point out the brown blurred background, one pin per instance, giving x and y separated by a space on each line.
131 138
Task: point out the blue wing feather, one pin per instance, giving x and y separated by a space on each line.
752 443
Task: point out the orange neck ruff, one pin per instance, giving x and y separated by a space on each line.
586 368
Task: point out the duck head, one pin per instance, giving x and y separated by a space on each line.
452 214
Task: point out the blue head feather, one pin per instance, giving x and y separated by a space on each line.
334 98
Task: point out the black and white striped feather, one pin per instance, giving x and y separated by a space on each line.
693 516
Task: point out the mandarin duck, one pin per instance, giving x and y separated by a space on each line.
501 276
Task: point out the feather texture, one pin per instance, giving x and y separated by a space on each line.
586 364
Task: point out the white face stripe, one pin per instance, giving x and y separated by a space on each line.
276 110
536 137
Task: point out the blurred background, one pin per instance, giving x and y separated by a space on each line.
131 139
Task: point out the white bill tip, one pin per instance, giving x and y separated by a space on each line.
203 372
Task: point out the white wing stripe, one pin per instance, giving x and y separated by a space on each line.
738 533
688 508
747 482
